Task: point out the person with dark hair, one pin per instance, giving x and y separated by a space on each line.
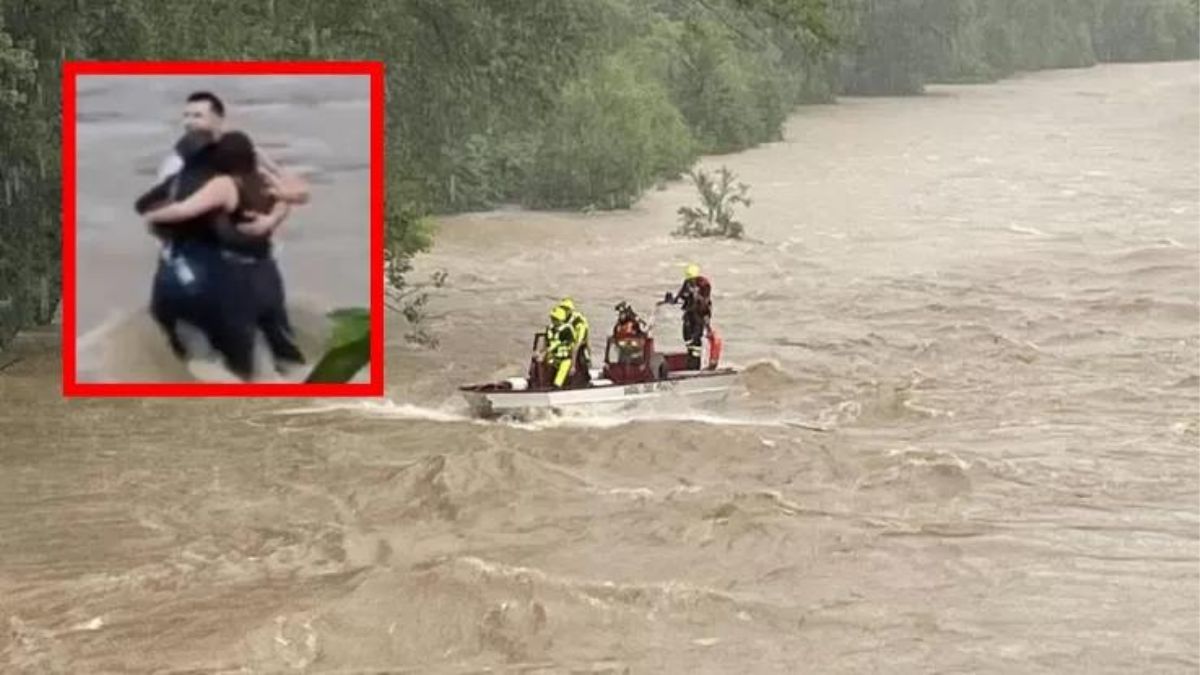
232 215
246 240
190 266
204 111
231 250
629 324
214 103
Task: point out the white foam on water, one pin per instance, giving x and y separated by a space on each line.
1023 229
136 332
382 408
574 419
94 336
584 420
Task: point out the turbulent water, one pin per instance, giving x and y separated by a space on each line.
988 297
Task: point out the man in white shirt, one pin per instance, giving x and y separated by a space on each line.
203 111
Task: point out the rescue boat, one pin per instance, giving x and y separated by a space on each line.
633 371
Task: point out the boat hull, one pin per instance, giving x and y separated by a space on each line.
495 401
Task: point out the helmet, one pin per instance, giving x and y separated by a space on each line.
691 271
558 314
567 304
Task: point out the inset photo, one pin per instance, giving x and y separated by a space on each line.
222 229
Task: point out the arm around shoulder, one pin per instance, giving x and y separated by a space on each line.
220 192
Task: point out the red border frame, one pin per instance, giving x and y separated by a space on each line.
73 69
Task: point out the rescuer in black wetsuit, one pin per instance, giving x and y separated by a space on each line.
696 297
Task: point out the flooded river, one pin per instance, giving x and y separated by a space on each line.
987 297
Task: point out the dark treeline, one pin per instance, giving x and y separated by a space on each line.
547 103
897 46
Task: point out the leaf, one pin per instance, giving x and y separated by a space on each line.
350 325
342 362
350 347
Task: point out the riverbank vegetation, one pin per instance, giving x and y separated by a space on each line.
545 103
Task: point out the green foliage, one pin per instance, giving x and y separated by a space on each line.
551 103
614 133
29 209
1050 34
803 22
349 348
488 74
715 89
349 324
1149 30
408 230
895 46
718 197
884 51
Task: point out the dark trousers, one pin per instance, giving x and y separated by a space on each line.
228 298
693 337
196 285
266 284
583 365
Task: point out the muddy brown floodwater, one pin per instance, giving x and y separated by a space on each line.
988 296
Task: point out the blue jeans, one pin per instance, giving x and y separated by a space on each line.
194 283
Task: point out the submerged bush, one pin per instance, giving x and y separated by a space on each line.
714 217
